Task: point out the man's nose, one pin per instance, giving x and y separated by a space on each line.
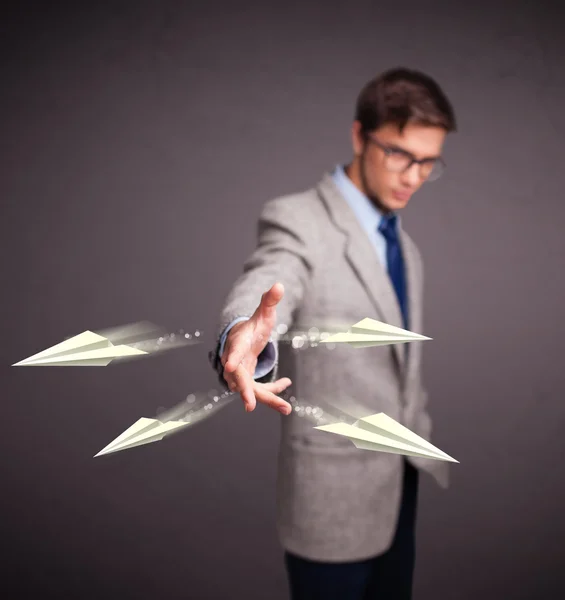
412 175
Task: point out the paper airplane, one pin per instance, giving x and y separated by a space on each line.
143 431
99 349
369 332
85 349
196 408
380 433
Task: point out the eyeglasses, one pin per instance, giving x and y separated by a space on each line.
399 161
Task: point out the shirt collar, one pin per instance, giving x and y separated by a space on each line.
367 213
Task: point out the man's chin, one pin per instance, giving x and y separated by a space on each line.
394 204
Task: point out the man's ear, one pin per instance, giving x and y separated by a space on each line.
357 139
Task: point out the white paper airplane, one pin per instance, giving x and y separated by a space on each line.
369 332
380 433
85 349
143 431
99 349
201 406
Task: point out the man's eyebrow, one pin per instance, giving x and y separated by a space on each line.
404 151
398 148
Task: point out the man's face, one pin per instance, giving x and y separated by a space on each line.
381 159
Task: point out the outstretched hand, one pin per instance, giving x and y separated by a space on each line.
244 344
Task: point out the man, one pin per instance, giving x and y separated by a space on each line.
337 252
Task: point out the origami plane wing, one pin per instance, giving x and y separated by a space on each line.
369 332
383 425
86 349
383 434
371 326
361 340
143 431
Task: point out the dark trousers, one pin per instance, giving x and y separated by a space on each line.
385 577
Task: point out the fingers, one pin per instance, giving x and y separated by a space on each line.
277 386
252 391
269 300
242 381
266 394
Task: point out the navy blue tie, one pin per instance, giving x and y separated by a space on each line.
395 263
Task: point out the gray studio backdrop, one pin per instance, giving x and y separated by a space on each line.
139 142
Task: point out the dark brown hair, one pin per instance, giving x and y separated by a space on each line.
401 96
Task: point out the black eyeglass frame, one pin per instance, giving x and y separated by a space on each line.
438 164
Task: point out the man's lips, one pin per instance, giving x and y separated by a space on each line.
401 195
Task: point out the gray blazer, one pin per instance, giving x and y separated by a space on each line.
334 501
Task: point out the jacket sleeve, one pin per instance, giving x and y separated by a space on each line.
282 254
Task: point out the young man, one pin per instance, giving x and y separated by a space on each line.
337 252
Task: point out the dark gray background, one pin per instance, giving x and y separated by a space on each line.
139 142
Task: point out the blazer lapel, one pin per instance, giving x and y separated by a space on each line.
413 280
361 256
